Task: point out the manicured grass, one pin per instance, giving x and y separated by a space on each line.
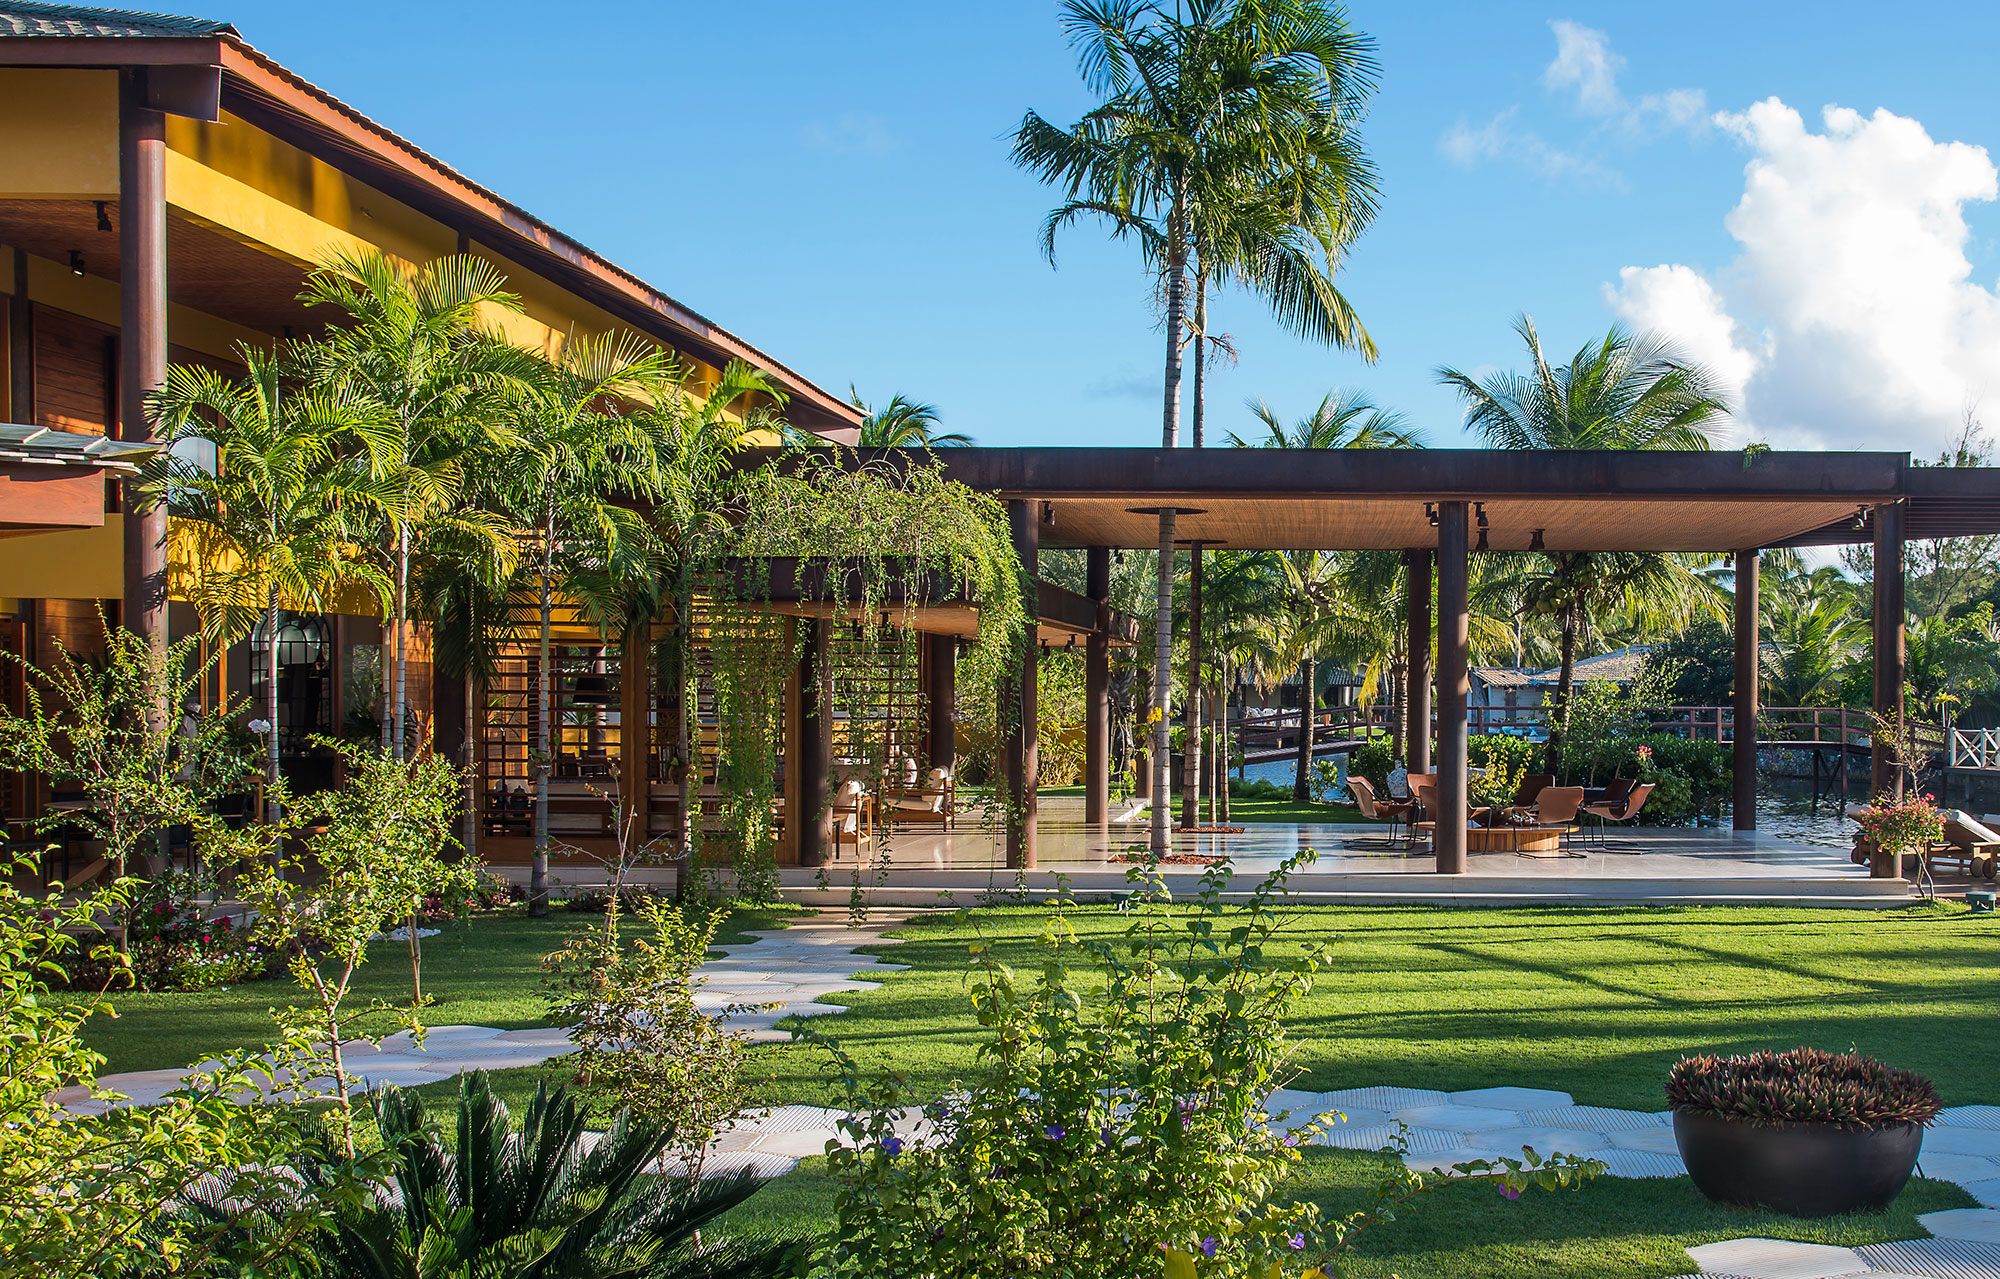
1612 1226
484 971
1595 1002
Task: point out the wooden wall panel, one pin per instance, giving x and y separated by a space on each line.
76 379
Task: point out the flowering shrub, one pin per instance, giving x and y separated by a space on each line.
1804 1085
1116 1123
1905 825
177 943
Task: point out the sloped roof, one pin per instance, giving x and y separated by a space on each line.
40 446
26 18
1504 676
1620 666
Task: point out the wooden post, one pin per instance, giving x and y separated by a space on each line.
941 703
1743 806
635 736
20 347
142 314
1885 776
1022 762
1418 703
1453 569
814 817
1191 743
1097 691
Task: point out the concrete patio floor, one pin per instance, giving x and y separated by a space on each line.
1354 864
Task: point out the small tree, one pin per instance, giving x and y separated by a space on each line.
641 1044
374 849
85 726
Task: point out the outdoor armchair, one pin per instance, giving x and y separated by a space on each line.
1394 811
1555 808
1620 810
931 802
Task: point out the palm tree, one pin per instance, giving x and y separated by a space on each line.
1217 109
415 347
581 456
553 1201
1343 420
1812 645
904 424
1621 392
1306 621
252 473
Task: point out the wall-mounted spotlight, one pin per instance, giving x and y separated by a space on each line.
1480 545
76 262
1860 517
103 215
1479 509
1535 542
1049 514
1431 513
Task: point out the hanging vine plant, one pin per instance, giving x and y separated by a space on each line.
869 543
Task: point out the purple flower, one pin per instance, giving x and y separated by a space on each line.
1291 1139
892 1146
1208 1246
1297 1240
1508 1192
1109 1136
1055 1132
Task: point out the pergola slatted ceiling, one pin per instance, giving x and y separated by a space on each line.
1367 499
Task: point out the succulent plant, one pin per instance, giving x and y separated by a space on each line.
1803 1086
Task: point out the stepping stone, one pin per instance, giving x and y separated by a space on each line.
1353 1119
1544 1141
1986 1192
1777 1259
1984 1142
1459 1118
1594 1118
1658 1141
1968 1117
791 1119
1959 1168
1512 1098
1423 1141
541 1037
1640 1163
1974 1225
1382 1098
1446 1161
1956 1258
794 1145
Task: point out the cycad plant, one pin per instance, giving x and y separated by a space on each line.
415 345
552 1201
272 514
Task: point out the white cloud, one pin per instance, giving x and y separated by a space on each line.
1501 138
1852 273
1585 62
852 134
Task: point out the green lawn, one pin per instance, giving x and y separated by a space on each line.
483 972
1595 1002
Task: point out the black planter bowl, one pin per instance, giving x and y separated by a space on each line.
1801 1170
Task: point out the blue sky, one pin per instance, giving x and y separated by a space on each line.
831 181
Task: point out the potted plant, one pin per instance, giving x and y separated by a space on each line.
1495 787
1805 1132
1897 824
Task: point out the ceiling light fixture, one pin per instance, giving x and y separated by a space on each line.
1481 544
1479 508
76 262
103 216
1535 542
1431 513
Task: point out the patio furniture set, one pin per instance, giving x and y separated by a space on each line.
1543 820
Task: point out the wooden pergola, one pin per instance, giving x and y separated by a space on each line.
1436 506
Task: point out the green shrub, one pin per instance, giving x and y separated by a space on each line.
1258 789
1691 776
1115 1124
1518 754
1804 1085
1371 762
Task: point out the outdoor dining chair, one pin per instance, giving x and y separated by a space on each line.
1555 808
1619 811
1395 811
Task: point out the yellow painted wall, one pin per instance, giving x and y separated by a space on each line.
75 564
96 298
58 133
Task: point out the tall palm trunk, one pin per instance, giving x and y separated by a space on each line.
1163 635
1565 679
1399 738
271 764
1191 770
1301 784
538 867
677 686
469 753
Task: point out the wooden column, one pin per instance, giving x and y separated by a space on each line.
142 266
1191 743
1453 568
20 347
1022 763
1885 776
1418 703
814 817
941 704
635 734
1097 691
1743 806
